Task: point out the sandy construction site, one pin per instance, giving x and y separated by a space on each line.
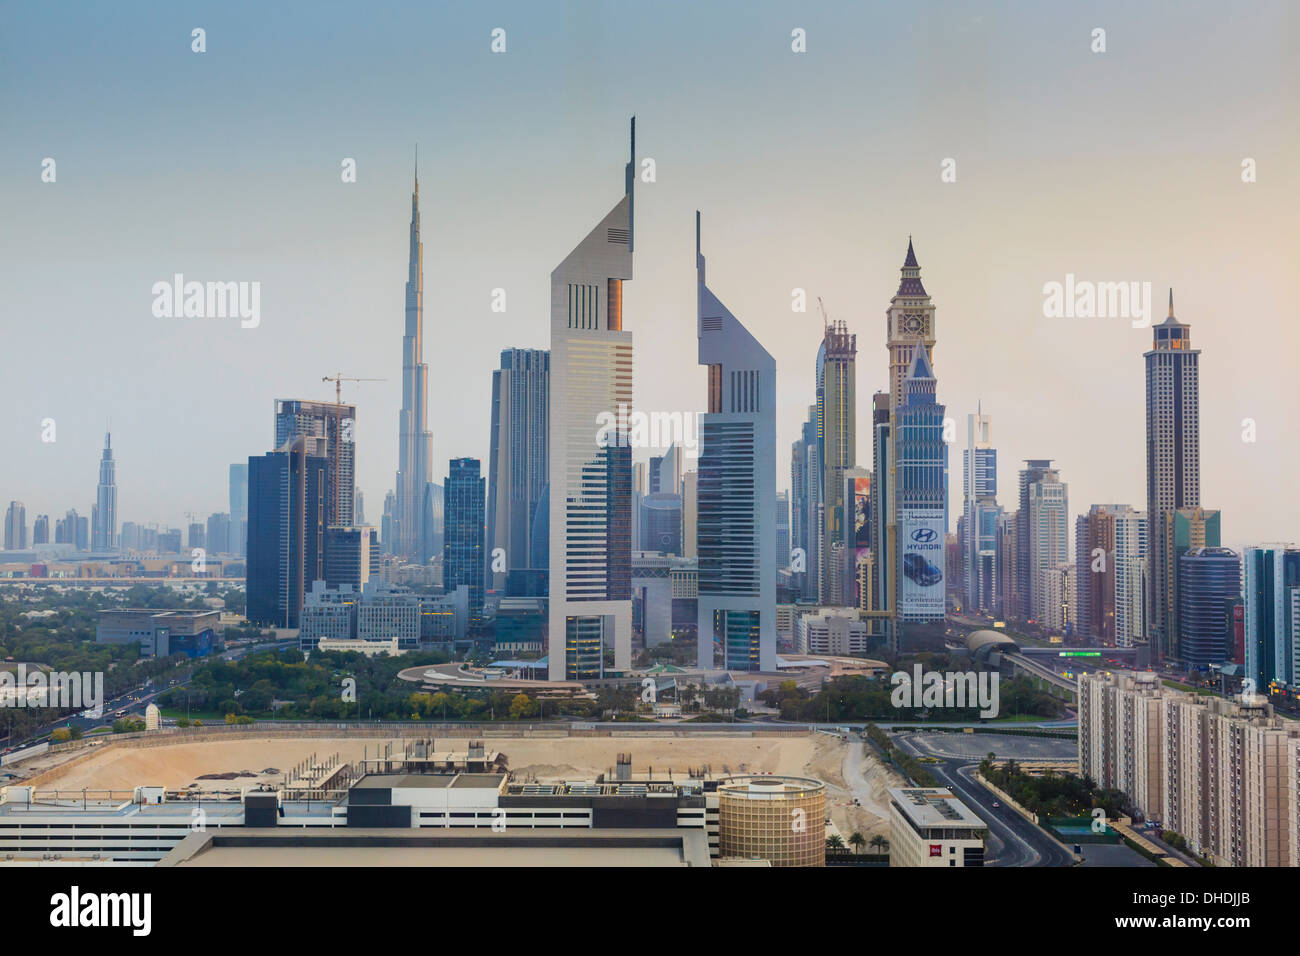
230 764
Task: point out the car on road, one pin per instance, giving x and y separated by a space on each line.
995 805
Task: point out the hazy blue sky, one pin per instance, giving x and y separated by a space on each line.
811 170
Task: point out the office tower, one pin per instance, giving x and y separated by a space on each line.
839 441
737 484
806 491
691 515
517 466
1095 572
1130 577
921 494
130 536
980 513
359 509
1049 533
1209 581
1173 461
661 523
104 532
218 535
41 530
328 429
883 529
351 556
238 509
169 541
414 441
782 529
1269 592
195 536
287 502
1186 529
590 487
432 525
462 550
1026 570
16 527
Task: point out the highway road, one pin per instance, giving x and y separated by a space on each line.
1013 840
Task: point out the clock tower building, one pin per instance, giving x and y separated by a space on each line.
911 319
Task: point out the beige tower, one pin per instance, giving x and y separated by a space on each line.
911 317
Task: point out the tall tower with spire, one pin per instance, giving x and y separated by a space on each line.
104 533
735 521
910 319
590 488
414 441
1173 465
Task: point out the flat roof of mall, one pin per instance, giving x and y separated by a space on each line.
429 781
321 847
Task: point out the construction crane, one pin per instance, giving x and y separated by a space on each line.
826 319
338 378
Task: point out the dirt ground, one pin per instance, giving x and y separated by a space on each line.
842 765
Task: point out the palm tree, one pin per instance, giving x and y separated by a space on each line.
834 842
880 844
858 841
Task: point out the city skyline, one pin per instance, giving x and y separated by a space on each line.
1042 378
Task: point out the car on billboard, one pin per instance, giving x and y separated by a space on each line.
920 571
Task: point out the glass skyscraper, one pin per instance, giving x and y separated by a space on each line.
462 549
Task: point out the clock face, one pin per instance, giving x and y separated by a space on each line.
913 323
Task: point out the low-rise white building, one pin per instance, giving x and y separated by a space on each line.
931 827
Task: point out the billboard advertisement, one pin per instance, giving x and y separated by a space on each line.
861 549
920 570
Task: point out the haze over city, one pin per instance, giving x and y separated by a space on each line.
811 172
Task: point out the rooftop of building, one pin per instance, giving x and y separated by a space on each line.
934 807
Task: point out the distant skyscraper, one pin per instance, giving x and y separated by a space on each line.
328 429
462 550
1209 583
16 527
104 534
921 494
218 536
980 511
41 530
517 467
883 529
359 508
196 537
1026 570
414 441
805 505
1173 461
238 509
590 488
910 320
351 556
1186 529
736 537
1049 535
286 531
839 447
691 515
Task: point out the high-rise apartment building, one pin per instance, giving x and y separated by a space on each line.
736 538
1047 527
41 530
518 468
1131 569
1173 463
590 488
838 376
238 543
1096 566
